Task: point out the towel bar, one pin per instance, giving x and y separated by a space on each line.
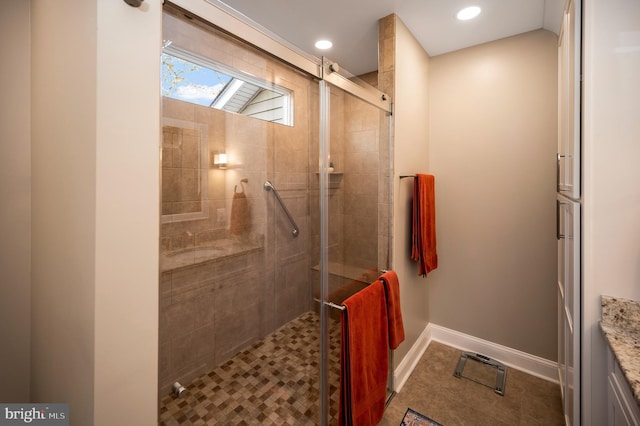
330 304
341 307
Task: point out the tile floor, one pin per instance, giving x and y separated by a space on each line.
432 390
276 382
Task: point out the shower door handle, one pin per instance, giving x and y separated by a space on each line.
268 186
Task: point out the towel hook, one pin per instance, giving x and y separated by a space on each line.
245 180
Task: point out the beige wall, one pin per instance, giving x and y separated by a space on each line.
63 201
492 110
15 209
95 133
127 213
404 73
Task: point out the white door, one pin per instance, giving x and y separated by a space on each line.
569 298
569 173
569 70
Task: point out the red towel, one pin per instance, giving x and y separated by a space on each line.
423 234
364 357
392 291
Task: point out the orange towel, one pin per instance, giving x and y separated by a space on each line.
392 291
364 357
423 234
240 214
342 293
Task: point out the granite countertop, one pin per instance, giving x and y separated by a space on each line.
621 327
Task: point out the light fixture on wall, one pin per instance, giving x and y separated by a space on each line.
468 13
220 160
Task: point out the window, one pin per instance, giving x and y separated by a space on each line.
191 78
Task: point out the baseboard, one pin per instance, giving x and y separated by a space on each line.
530 364
405 368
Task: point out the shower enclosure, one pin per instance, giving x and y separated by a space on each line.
275 205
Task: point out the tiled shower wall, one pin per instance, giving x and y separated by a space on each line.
366 147
359 188
208 313
181 166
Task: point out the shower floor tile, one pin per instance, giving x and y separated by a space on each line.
276 381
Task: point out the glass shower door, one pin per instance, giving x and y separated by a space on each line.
352 218
275 201
237 328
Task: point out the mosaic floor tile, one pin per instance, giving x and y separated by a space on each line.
274 382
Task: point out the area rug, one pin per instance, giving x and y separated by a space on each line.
413 418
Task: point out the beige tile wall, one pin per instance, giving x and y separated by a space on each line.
207 314
359 191
385 82
181 168
362 161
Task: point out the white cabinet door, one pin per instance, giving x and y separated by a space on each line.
623 409
569 298
569 71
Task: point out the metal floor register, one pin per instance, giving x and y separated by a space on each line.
482 370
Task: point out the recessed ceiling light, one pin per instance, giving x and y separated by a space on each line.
468 13
323 44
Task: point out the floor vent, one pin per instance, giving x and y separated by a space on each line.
483 370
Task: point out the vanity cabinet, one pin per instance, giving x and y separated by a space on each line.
622 408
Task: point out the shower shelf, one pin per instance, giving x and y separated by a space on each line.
334 179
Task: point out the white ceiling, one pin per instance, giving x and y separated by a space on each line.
352 25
